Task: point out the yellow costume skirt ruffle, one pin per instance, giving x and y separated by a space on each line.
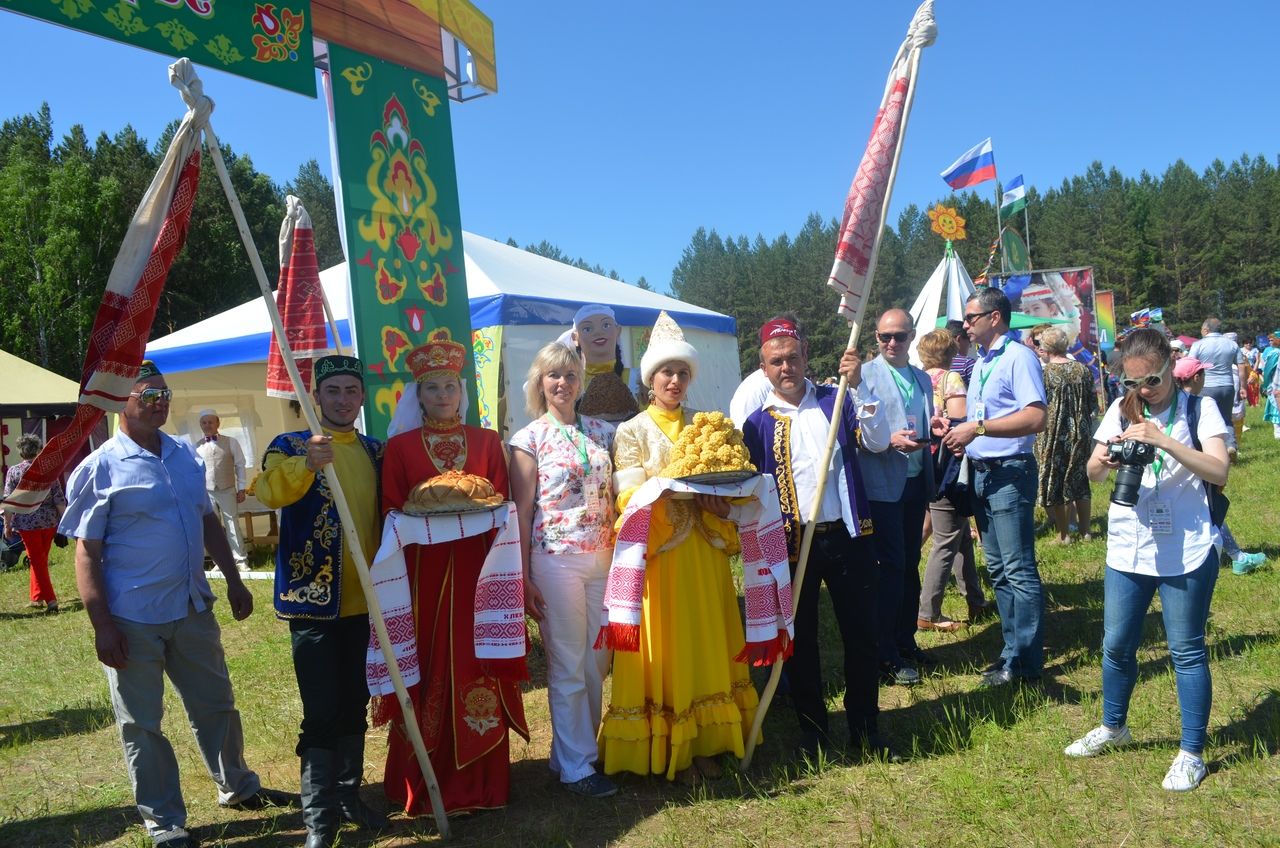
681 695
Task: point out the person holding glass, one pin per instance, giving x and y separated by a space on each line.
561 477
1160 538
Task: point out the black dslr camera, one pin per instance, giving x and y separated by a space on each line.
1133 457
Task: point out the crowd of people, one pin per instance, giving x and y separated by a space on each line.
991 426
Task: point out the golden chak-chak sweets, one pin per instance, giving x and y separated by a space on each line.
709 444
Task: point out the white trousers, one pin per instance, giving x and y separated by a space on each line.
224 502
573 587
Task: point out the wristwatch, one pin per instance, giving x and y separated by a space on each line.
982 428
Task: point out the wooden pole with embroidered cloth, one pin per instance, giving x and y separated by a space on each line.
449 575
865 211
302 304
122 324
182 75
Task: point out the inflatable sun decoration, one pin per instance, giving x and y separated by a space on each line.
947 223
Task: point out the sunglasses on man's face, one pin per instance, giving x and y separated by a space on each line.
150 397
969 319
885 338
1148 382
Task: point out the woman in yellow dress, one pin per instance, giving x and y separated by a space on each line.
681 699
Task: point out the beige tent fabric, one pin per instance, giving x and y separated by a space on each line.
27 383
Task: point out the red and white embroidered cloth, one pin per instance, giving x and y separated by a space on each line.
499 605
122 324
766 574
871 185
300 300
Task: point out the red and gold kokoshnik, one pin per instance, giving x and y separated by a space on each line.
440 355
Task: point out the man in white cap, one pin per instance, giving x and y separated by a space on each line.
224 479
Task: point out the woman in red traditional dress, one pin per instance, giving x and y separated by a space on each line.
464 706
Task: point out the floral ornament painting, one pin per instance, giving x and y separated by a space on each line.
947 223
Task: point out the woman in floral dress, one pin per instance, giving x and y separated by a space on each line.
1062 450
561 481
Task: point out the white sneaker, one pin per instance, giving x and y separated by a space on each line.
1098 740
1185 774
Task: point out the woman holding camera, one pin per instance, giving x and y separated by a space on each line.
1164 541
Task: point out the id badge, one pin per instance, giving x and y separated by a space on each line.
913 426
1160 517
591 496
979 411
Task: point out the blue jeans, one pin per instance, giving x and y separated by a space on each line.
1004 497
1184 602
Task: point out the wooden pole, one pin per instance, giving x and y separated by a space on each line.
1000 229
331 477
333 323
806 543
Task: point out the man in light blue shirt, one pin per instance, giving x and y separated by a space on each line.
139 512
1226 365
1006 406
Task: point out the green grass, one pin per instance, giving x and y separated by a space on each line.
985 768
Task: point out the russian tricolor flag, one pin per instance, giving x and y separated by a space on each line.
975 166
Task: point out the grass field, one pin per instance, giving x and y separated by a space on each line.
984 768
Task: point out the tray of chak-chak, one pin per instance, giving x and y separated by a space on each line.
710 451
719 478
452 493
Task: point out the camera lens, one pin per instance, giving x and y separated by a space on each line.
1128 483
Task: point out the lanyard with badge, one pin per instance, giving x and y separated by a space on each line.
590 487
1160 512
979 405
906 388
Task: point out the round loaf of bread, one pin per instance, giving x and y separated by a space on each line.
452 491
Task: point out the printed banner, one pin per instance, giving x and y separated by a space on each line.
474 29
1105 306
400 214
1063 293
268 42
1016 257
486 347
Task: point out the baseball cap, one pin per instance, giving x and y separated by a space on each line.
1187 367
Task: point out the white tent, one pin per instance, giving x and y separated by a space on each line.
519 301
949 278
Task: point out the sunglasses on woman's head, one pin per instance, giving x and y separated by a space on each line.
150 397
885 338
1148 382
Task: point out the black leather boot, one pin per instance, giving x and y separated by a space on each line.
320 811
350 774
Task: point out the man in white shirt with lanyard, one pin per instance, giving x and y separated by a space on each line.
224 479
1006 404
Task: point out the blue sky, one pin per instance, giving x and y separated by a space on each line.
621 128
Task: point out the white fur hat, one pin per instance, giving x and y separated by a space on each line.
667 344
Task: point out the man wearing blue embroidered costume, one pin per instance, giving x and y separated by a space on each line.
317 590
787 438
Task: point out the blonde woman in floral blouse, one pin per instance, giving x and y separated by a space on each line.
561 478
